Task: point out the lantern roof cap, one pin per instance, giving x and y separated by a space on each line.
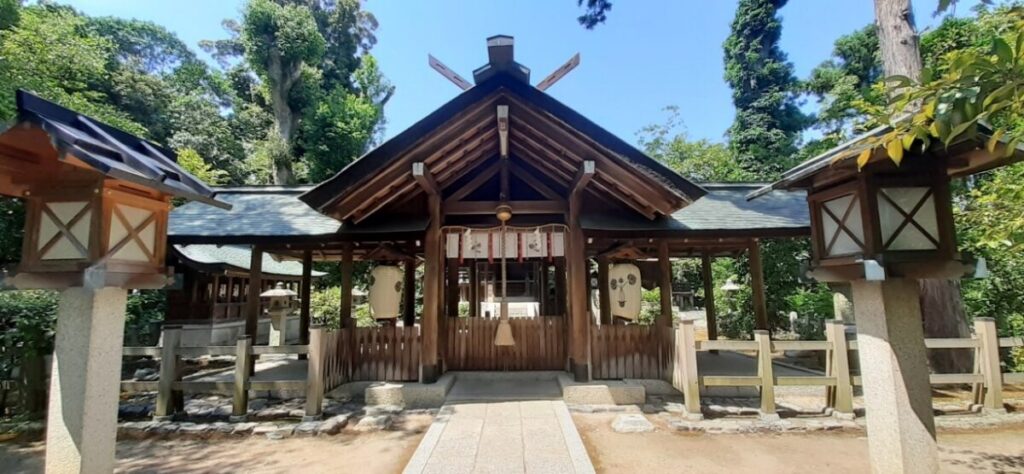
846 153
113 152
278 291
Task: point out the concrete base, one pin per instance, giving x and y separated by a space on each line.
602 392
897 394
84 387
402 394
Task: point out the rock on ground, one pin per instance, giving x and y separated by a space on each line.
631 423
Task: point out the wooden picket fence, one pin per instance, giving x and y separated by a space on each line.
631 352
987 377
388 353
540 344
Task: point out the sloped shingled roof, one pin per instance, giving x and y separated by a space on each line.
113 152
257 211
206 257
724 209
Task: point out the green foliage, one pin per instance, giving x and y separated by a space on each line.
844 82
813 307
339 130
27 323
595 12
700 160
194 164
145 312
325 306
650 307
278 39
10 13
768 119
34 55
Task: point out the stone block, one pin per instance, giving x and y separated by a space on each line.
373 423
333 425
631 423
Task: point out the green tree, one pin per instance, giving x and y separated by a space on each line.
844 82
768 119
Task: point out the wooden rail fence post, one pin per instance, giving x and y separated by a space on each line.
240 404
764 371
985 328
686 377
840 396
315 375
168 374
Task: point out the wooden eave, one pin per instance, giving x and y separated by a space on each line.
462 135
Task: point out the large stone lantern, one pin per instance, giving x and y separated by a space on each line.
881 227
280 303
96 203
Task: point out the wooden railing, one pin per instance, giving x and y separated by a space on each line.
987 377
170 381
540 344
388 353
633 351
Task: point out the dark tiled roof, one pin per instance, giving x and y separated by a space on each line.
113 152
256 211
208 257
269 212
724 209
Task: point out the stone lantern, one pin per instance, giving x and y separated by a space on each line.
96 204
280 303
880 228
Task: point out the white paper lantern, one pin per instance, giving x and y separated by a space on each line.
385 291
624 288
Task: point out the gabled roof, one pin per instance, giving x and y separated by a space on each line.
374 163
111 151
218 258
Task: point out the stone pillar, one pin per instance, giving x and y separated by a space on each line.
897 394
85 383
278 327
842 303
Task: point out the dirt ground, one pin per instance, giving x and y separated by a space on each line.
666 450
380 452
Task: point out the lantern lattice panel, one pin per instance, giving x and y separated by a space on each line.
842 226
907 218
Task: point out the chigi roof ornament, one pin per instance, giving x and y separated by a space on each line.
501 58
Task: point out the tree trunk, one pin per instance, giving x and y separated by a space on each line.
941 303
281 79
897 37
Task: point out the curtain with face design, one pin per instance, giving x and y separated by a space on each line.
385 291
624 288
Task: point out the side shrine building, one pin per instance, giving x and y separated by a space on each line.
481 222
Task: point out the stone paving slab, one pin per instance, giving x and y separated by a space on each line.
528 436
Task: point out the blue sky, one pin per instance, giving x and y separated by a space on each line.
647 56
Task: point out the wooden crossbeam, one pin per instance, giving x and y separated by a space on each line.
482 177
531 180
518 207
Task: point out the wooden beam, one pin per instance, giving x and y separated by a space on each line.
478 180
503 130
560 280
452 294
430 368
603 293
583 176
518 207
664 319
305 293
709 297
252 302
532 181
345 313
425 179
409 294
757 286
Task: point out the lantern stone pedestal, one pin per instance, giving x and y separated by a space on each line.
897 394
278 327
85 383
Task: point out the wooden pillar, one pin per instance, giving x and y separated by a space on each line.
709 297
560 296
409 294
306 293
252 301
603 295
576 261
757 286
432 292
474 291
542 289
345 312
452 293
664 319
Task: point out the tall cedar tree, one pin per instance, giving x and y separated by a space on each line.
768 120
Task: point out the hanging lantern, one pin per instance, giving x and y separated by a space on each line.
626 293
385 291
